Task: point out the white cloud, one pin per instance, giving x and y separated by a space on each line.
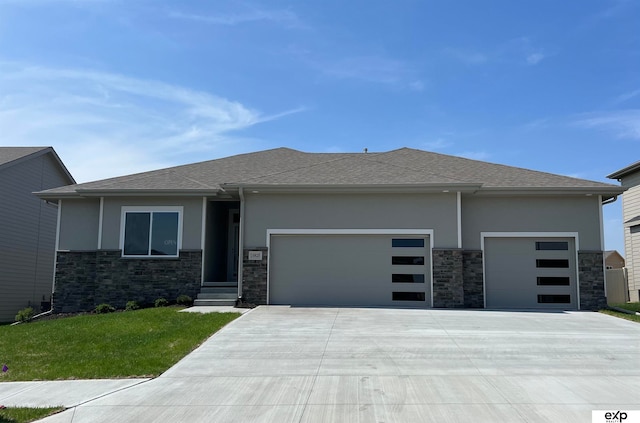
373 69
105 124
626 97
537 124
468 57
417 85
437 144
283 17
535 58
621 123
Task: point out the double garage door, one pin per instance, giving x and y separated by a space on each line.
395 270
530 273
350 270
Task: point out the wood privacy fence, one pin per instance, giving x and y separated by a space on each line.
617 286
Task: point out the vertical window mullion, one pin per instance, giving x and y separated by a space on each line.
150 233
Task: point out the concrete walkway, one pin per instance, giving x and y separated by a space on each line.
281 364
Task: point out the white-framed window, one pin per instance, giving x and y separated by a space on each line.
151 231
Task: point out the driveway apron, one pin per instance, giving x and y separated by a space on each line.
286 364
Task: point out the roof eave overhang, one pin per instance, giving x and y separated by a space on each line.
351 188
88 193
605 192
635 167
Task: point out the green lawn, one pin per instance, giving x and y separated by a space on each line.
627 306
117 345
25 415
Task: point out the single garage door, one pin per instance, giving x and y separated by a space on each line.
530 273
350 270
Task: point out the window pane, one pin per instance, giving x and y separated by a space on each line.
552 245
407 278
553 263
406 242
554 299
164 241
407 260
553 281
407 296
136 234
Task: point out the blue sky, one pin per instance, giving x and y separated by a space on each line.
120 86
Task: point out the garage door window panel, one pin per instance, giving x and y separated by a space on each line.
552 246
408 260
407 242
552 263
407 278
554 281
554 299
408 296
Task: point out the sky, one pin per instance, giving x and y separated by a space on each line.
122 86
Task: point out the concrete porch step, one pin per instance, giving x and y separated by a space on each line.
220 285
214 302
217 296
225 290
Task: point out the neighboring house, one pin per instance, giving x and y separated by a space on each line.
27 227
629 177
613 260
400 228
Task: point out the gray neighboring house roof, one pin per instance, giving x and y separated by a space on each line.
10 156
284 168
632 168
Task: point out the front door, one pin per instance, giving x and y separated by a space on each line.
233 245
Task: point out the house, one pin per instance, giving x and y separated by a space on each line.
629 177
613 260
398 228
27 227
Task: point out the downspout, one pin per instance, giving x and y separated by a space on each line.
610 200
604 264
241 243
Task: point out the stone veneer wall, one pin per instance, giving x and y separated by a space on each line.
591 277
85 279
448 289
254 277
473 279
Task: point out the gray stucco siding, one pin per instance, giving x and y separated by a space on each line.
79 224
579 214
351 211
191 218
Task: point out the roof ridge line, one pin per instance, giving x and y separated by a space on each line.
292 170
415 170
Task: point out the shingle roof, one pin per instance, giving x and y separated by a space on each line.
635 167
10 154
287 167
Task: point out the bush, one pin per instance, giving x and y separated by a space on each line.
185 300
104 308
25 315
161 302
132 305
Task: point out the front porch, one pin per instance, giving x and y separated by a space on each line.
221 255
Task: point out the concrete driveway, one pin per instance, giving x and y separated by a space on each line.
281 364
